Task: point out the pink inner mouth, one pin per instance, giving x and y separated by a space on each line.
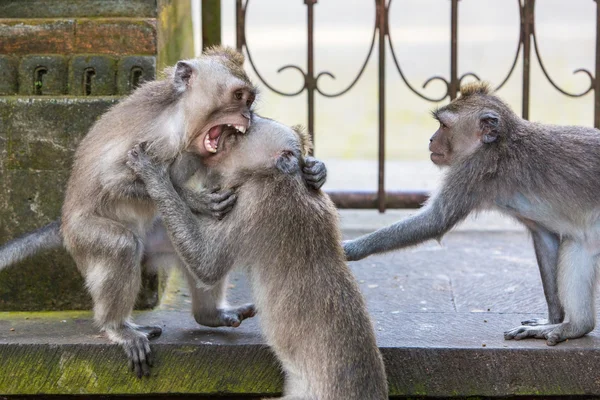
214 134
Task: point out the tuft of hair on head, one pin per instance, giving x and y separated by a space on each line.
473 88
228 53
305 140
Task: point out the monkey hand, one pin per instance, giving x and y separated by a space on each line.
351 250
314 172
216 202
142 164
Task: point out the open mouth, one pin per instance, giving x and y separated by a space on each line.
211 139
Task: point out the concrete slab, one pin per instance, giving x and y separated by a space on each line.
439 312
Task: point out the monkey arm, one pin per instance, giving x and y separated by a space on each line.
431 222
204 202
193 244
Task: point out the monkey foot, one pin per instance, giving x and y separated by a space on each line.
151 331
136 345
553 334
228 316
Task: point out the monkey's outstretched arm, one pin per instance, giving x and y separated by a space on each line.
431 222
192 243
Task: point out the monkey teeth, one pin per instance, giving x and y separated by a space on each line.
209 146
239 128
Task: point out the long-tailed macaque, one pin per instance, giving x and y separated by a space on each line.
288 240
545 176
109 223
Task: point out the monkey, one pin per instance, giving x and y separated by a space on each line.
545 176
109 223
288 240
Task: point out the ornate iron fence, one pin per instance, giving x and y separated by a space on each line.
381 34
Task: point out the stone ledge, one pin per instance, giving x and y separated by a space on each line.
425 354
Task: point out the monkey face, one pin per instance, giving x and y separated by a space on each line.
440 144
217 97
458 136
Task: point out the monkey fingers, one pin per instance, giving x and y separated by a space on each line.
138 352
222 202
142 165
523 332
315 172
233 316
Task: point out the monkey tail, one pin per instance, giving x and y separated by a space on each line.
47 237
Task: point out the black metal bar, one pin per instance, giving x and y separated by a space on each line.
239 25
211 23
597 75
382 29
527 25
454 81
363 200
310 69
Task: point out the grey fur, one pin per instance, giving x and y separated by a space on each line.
546 176
287 237
45 238
110 225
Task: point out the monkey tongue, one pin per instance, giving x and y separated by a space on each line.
211 141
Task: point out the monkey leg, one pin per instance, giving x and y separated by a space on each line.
546 245
210 307
113 278
576 284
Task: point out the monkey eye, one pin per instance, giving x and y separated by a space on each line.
442 125
239 94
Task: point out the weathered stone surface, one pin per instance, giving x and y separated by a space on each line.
175 36
77 8
42 132
116 36
9 75
36 36
66 36
38 137
43 75
92 75
133 70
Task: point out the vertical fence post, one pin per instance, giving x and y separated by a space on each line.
454 83
239 26
527 31
211 23
382 29
597 75
310 71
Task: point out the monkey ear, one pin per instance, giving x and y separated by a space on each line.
184 72
489 123
305 140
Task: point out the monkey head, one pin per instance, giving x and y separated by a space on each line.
268 146
474 120
217 97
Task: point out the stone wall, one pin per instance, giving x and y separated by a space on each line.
63 63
